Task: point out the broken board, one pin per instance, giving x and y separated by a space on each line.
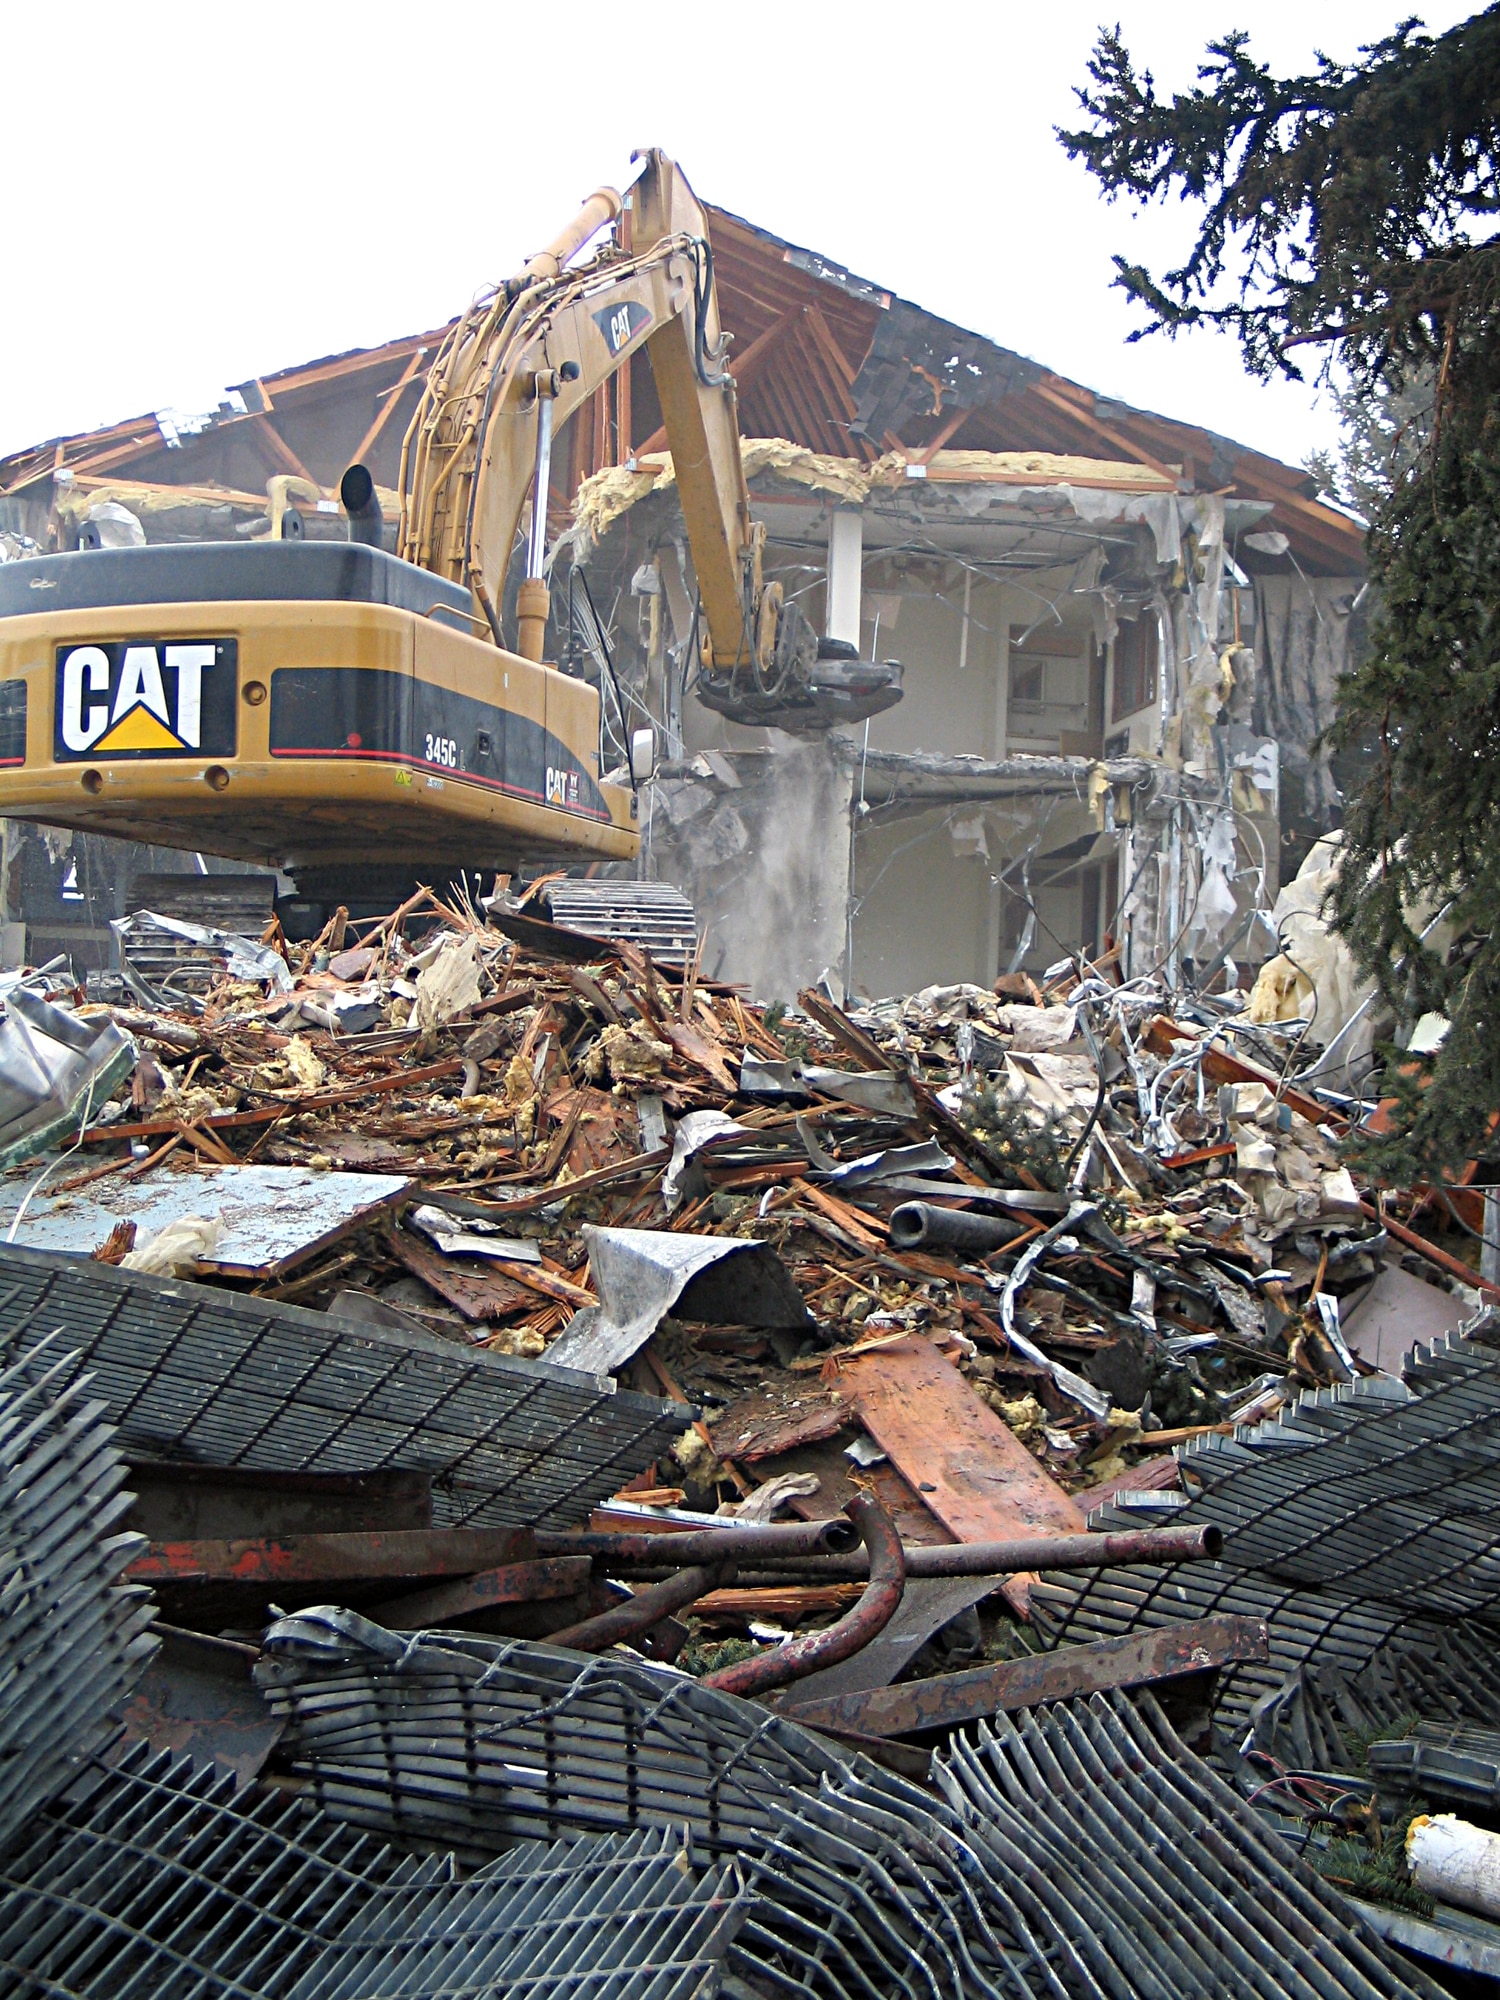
272 1218
971 1471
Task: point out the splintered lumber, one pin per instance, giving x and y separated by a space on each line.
971 1471
1136 1660
479 1294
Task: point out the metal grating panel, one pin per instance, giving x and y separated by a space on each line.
456 1740
1145 1871
1074 1607
160 1879
1425 1715
193 1372
1041 1870
73 1641
1381 1493
653 915
1078 1850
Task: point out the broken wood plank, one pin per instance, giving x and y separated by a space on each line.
767 1433
1136 1660
478 1294
971 1470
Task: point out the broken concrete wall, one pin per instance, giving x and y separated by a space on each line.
759 840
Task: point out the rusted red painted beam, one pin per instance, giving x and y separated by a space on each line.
513 1583
1137 1660
372 1554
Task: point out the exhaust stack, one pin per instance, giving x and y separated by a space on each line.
366 521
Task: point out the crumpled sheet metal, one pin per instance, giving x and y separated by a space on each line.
190 1372
642 1274
51 1065
73 1638
161 1878
241 957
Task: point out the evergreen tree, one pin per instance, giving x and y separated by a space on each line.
1349 215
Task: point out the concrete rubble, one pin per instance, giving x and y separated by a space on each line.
520 1463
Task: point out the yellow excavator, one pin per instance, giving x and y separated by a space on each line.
357 719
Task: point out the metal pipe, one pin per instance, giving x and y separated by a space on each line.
736 1538
533 599
362 505
647 1608
602 206
859 1625
536 541
1132 1545
916 1225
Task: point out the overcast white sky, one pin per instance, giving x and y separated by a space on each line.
200 193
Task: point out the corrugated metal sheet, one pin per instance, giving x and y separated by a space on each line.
162 1880
73 1639
194 1372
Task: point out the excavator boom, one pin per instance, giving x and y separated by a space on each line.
347 715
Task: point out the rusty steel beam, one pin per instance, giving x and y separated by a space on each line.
512 1583
739 1539
341 1558
1136 1660
877 1606
647 1608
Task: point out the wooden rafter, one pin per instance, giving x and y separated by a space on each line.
388 399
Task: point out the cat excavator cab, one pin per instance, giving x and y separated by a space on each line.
359 720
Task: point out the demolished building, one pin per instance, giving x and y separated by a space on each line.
1120 637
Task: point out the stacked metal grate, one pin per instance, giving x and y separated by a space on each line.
73 1639
1078 1850
158 1878
191 1372
474 1743
1360 1514
1042 1868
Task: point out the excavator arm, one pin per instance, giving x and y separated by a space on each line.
522 360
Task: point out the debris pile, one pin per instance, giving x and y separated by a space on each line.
563 1402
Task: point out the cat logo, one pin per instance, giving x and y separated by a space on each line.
145 698
620 324
562 787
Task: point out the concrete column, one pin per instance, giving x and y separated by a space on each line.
846 536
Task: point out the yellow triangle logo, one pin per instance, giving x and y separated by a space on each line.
140 730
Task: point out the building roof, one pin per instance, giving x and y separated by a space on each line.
821 358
